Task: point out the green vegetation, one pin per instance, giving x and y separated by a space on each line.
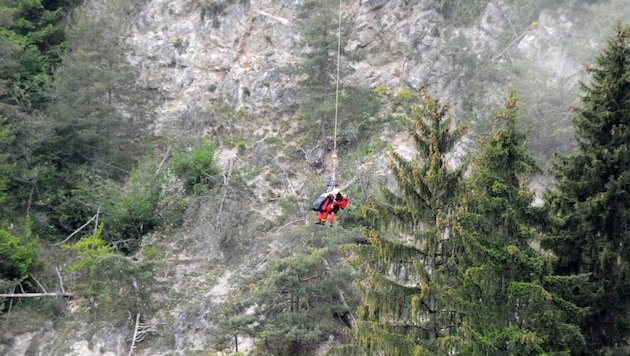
31 42
445 263
112 284
407 308
320 38
196 167
293 304
589 208
16 257
507 285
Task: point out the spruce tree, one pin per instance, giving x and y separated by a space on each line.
98 106
406 306
320 41
590 205
507 287
293 304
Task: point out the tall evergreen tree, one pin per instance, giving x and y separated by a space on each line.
507 289
406 306
31 32
97 104
293 304
591 202
97 114
320 40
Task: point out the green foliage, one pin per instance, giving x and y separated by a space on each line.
122 287
320 39
111 283
241 146
273 140
66 159
16 256
91 250
6 168
507 301
135 208
97 106
589 207
297 300
406 306
196 167
31 42
357 109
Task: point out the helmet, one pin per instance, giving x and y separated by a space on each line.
335 191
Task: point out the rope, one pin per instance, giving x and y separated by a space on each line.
334 156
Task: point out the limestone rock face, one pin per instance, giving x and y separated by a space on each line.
192 51
196 50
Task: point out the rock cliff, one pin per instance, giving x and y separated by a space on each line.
197 53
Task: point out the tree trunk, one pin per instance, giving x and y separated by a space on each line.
36 295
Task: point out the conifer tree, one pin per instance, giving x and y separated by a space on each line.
320 40
97 105
507 288
590 205
406 306
295 300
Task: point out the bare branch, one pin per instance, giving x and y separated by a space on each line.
39 284
77 230
36 295
287 224
135 333
60 280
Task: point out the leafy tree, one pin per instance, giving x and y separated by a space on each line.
507 288
91 251
94 121
134 209
8 51
591 203
406 307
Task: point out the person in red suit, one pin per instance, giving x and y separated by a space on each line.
336 200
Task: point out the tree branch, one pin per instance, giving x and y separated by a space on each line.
60 280
36 295
77 230
135 334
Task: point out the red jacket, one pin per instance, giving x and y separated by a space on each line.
335 205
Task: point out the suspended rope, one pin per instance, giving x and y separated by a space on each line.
334 182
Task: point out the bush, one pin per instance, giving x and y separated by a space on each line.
16 256
196 167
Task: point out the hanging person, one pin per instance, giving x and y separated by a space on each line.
331 202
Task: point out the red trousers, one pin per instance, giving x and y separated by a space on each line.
322 215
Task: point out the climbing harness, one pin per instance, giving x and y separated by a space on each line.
334 182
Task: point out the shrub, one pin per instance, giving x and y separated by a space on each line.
16 256
197 166
134 211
